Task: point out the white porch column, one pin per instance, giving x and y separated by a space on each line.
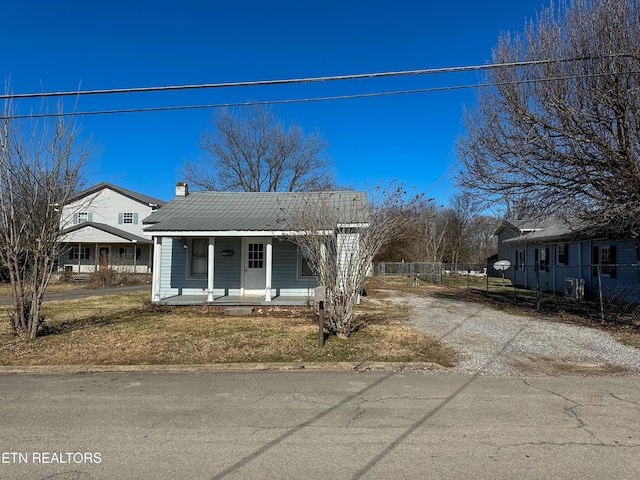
157 266
210 271
268 270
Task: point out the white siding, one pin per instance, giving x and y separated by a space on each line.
107 207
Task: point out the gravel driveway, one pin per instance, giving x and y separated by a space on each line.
491 342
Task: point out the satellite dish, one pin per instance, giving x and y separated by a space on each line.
502 265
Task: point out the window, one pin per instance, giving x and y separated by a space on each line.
563 254
256 255
82 217
304 270
126 253
198 261
605 257
129 218
608 260
77 253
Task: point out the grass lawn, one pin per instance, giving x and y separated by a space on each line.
126 330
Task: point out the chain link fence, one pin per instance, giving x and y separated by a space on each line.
607 292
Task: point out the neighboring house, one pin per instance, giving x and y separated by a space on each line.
233 247
554 258
507 230
102 228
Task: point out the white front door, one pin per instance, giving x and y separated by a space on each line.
254 266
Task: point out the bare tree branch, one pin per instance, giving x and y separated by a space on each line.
564 135
339 240
251 151
40 168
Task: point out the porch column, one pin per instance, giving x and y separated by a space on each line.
95 259
268 270
135 257
210 266
157 266
79 257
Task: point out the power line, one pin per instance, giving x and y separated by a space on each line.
301 100
429 71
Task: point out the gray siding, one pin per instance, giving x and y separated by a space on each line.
624 284
228 269
285 269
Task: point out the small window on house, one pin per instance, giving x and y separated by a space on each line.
608 256
77 253
126 253
82 217
304 270
606 260
198 261
256 255
563 254
129 218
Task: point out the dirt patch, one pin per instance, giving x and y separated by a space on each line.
536 365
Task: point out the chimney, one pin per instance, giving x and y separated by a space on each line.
182 189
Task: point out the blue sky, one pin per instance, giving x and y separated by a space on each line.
71 45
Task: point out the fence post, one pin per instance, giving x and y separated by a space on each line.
600 292
381 266
537 287
487 277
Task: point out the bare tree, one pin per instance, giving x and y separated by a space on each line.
40 168
562 130
252 151
426 234
340 254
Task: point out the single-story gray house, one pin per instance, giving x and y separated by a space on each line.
555 258
235 248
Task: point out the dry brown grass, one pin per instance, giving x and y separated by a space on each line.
126 330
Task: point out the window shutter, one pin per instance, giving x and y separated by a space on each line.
594 262
121 252
566 254
71 254
135 218
75 218
87 252
120 218
90 217
137 254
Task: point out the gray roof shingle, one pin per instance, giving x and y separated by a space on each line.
251 211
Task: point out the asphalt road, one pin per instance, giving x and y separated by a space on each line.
84 293
312 425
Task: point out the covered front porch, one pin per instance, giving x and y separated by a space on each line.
231 270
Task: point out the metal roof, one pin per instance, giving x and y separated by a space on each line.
252 211
139 197
109 229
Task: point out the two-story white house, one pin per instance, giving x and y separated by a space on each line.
102 228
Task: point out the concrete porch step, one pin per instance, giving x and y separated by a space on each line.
238 311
